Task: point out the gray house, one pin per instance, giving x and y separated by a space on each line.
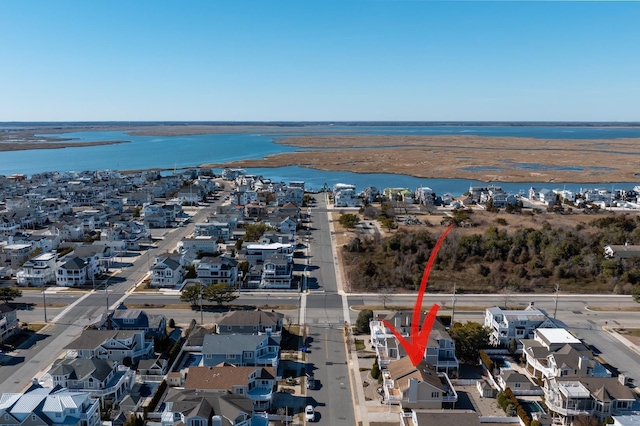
240 350
251 322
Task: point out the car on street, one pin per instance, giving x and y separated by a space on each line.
309 414
311 382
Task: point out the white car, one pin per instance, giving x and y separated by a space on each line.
309 414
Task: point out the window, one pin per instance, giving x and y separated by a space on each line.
249 355
517 385
435 394
231 356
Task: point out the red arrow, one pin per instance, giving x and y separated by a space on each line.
417 344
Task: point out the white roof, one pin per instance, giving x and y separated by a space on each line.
272 246
573 390
556 335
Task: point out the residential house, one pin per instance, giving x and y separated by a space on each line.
167 273
153 367
215 270
258 253
417 387
113 345
107 380
73 273
199 244
8 225
188 407
39 270
255 211
232 174
371 194
219 227
123 318
440 350
507 325
425 196
554 352
602 397
517 382
251 322
543 195
345 195
241 350
256 383
9 324
50 406
277 272
16 254
290 194
624 251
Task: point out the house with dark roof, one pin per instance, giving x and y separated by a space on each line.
113 345
123 318
188 407
251 322
256 383
415 387
51 406
167 273
73 273
241 350
107 380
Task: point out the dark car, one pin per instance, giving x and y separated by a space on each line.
311 382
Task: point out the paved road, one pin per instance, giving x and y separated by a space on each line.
34 356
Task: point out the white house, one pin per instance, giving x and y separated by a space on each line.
167 272
39 270
506 325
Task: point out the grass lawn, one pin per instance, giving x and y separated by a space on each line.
35 327
359 344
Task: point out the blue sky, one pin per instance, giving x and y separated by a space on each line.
319 60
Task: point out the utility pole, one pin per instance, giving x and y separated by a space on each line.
555 310
201 313
453 304
44 301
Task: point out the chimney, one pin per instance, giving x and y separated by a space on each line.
583 362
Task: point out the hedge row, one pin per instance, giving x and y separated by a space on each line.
486 360
157 396
507 398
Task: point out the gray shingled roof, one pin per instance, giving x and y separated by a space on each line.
91 339
81 368
222 344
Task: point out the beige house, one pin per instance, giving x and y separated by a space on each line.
417 387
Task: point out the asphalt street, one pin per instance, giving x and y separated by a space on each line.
323 314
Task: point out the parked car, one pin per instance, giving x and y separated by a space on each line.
311 382
309 414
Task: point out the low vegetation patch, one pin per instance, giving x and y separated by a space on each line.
488 258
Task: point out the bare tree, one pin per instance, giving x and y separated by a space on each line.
385 295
